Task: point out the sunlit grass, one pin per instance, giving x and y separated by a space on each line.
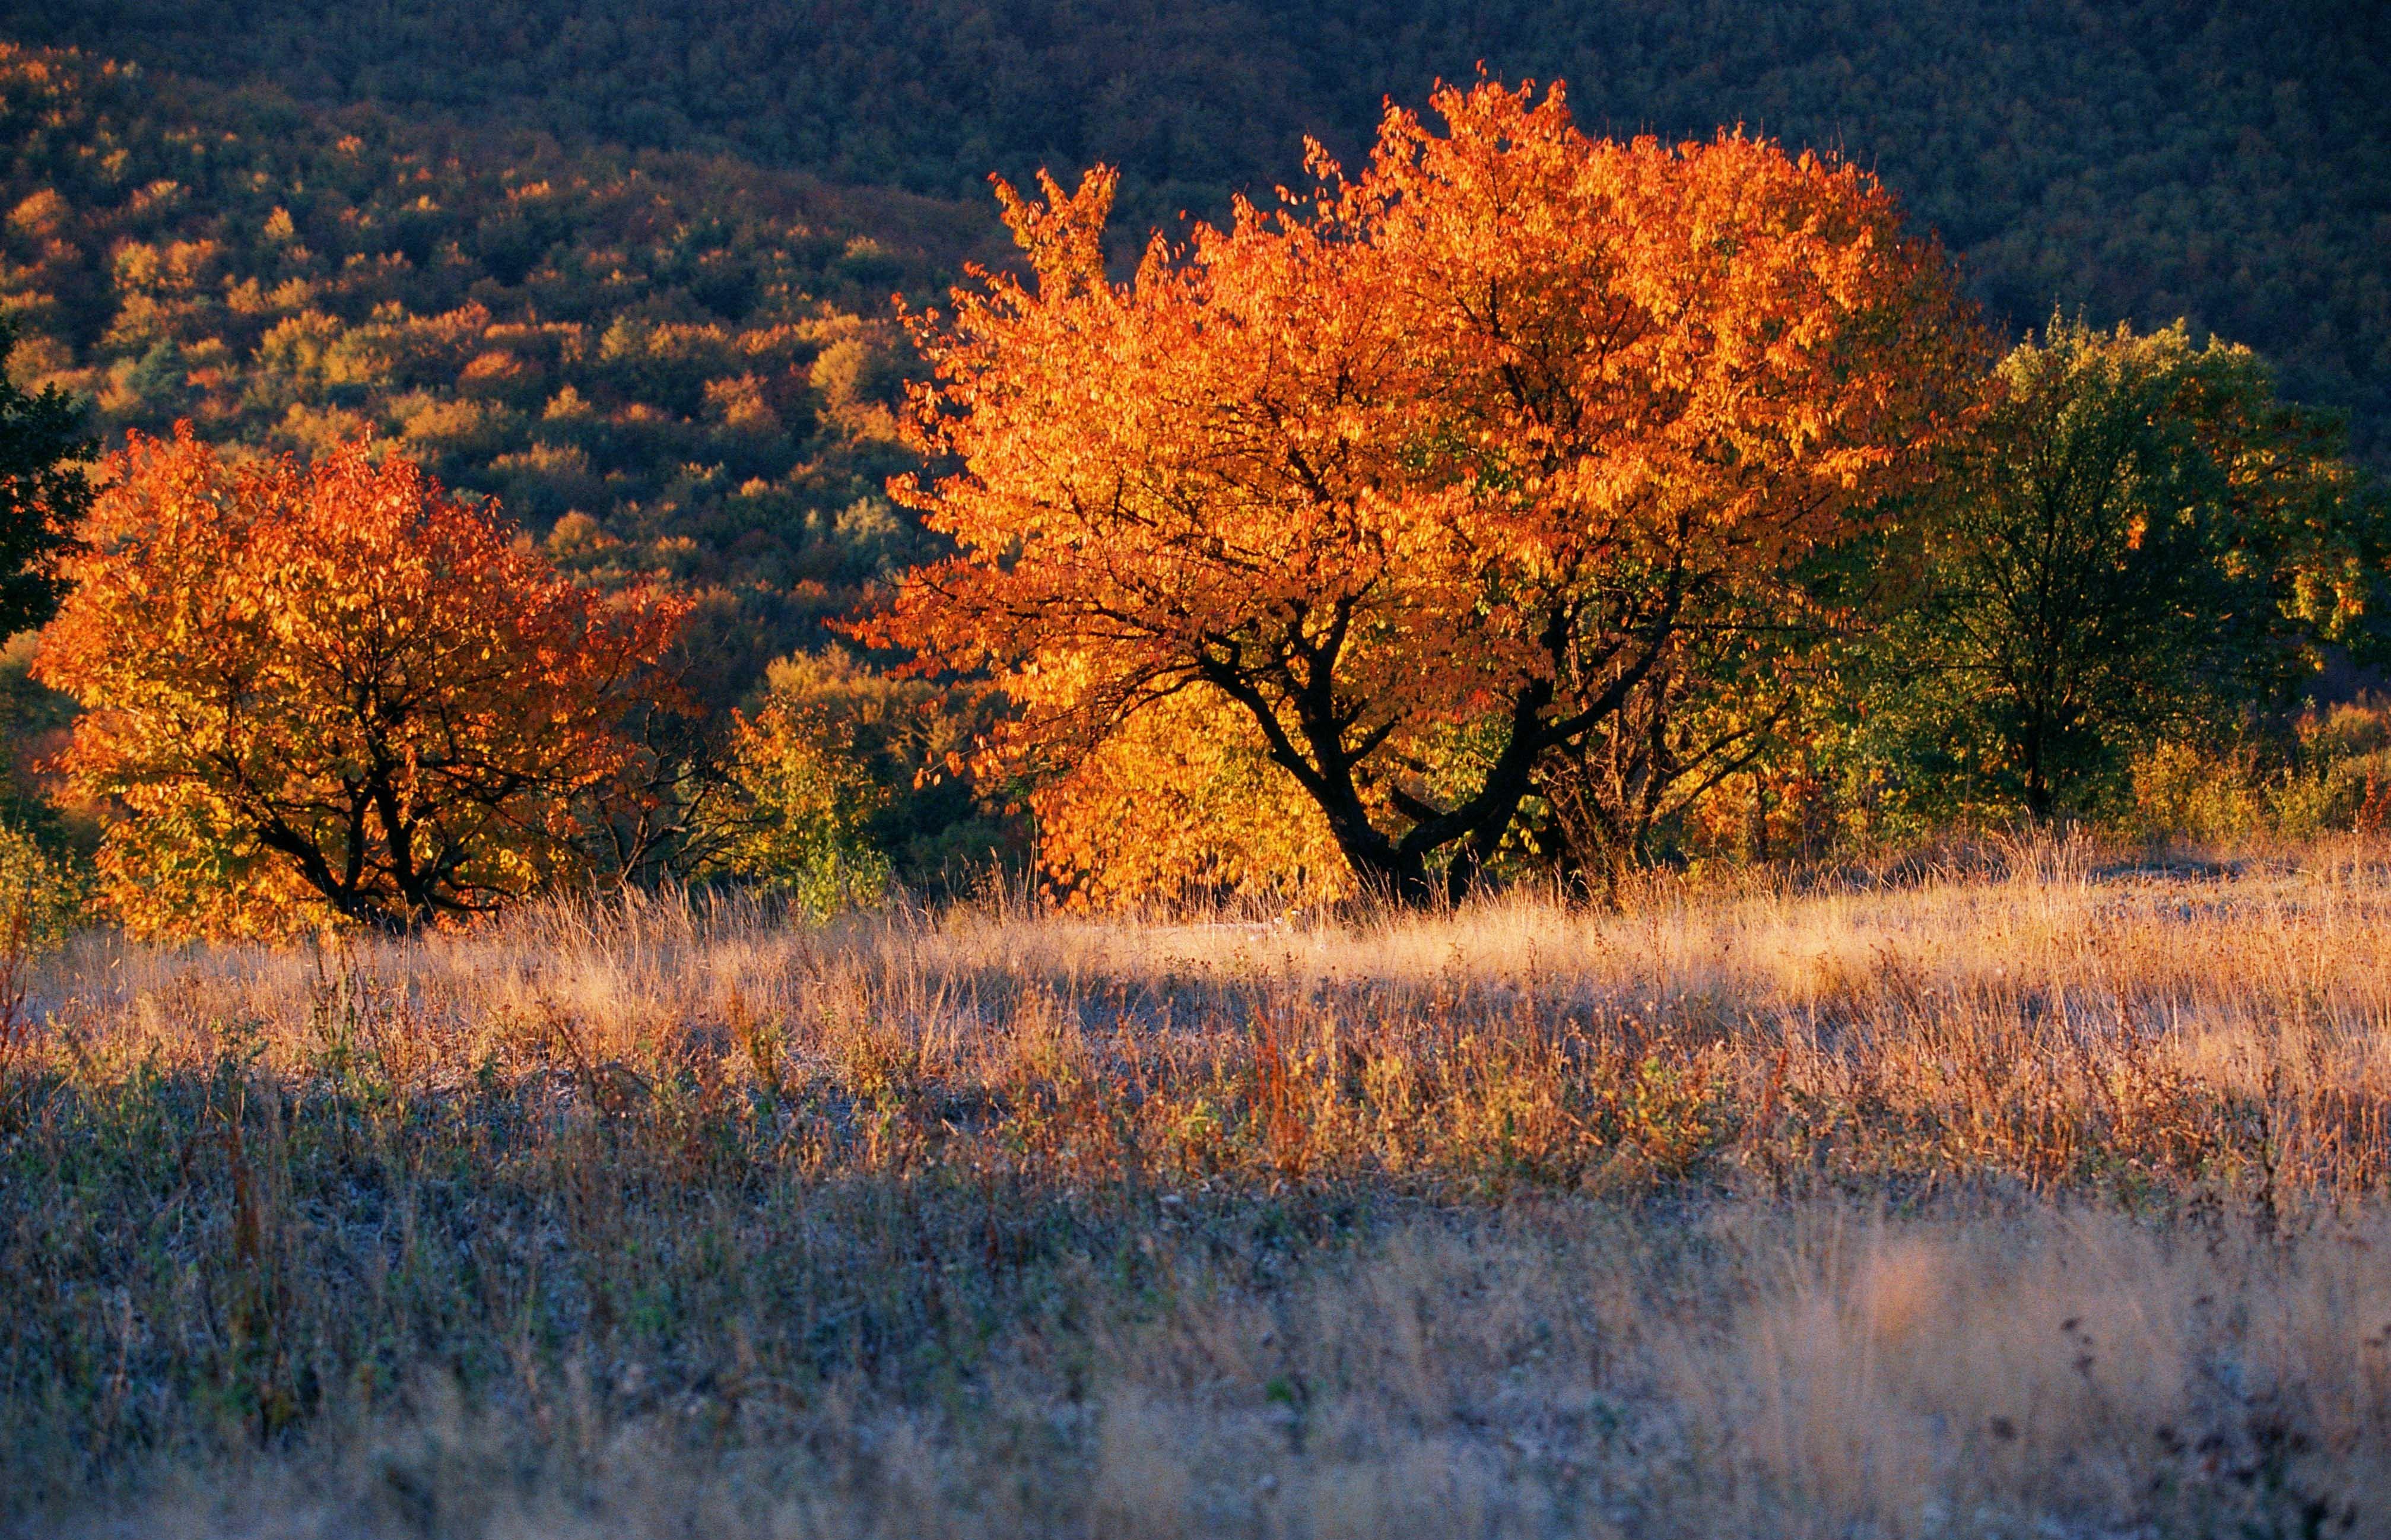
2044 1190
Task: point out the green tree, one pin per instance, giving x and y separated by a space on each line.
913 738
799 821
2141 543
43 493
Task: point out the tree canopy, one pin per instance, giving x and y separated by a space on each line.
2141 541
332 691
1466 446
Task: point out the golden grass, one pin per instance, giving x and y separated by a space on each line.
2043 1192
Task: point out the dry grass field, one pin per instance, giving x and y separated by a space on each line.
2037 1195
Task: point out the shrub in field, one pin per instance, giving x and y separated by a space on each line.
2345 782
41 897
41 902
2181 789
799 824
2332 776
913 740
331 693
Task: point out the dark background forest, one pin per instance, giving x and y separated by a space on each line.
2224 162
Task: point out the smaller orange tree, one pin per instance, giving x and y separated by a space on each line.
331 693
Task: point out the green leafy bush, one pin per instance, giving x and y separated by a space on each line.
41 895
799 823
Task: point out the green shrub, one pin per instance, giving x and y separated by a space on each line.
41 897
2336 779
800 821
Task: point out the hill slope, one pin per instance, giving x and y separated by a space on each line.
661 362
2145 159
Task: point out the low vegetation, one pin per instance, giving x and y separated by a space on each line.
2033 1190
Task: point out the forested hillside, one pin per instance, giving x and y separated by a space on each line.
661 363
2143 160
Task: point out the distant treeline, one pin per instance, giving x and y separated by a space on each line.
2227 163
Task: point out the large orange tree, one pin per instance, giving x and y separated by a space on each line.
331 692
1419 480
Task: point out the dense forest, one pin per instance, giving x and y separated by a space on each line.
2226 164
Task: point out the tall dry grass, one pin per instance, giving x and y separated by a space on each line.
2036 1196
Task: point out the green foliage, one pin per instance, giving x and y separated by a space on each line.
912 741
41 895
2343 776
799 823
34 720
2331 774
43 492
2142 546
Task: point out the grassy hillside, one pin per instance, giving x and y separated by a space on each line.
2228 162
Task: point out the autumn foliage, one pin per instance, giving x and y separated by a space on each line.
331 692
1415 483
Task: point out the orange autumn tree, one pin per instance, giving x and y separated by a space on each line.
1419 481
331 692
